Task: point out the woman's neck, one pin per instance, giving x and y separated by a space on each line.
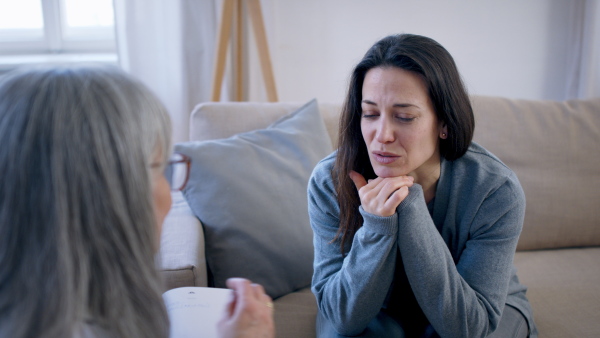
427 176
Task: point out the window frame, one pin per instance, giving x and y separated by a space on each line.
53 41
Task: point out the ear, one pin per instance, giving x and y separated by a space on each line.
443 130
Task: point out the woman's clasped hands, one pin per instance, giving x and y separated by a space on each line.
382 195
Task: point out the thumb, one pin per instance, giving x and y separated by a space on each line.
358 179
240 291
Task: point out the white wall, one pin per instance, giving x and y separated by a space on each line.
511 48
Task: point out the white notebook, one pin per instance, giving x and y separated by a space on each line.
195 311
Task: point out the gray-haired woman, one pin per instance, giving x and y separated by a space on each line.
82 199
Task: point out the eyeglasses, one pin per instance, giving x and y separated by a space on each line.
177 171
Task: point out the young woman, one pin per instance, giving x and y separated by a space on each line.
82 200
415 227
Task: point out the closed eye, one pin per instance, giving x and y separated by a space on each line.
405 119
367 114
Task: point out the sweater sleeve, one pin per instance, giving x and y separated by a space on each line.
463 298
351 289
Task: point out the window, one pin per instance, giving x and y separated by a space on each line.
34 27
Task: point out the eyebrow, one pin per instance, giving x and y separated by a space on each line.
397 105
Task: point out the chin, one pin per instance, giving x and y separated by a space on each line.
385 172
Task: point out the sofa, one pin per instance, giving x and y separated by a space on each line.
553 147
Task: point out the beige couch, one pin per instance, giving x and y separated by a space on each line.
554 148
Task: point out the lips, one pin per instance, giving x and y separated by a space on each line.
385 157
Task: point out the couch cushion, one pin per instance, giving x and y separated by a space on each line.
553 149
295 314
563 289
249 192
215 120
181 255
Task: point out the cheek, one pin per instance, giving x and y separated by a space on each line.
367 133
421 145
424 136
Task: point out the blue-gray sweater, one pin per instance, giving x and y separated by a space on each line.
445 267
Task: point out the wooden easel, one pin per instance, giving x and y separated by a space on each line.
256 18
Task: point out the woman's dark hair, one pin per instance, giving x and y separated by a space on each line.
447 93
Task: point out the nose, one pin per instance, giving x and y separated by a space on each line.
385 132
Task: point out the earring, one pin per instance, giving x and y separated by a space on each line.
444 136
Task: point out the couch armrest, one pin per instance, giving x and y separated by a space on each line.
181 257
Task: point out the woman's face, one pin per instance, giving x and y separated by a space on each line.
399 124
161 194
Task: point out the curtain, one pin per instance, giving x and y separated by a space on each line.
169 46
583 79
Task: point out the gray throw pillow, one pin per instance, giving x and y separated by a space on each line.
249 192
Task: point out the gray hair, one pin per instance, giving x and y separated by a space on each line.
77 228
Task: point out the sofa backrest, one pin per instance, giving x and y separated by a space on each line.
553 147
214 120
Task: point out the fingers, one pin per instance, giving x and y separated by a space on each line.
388 185
242 289
381 196
358 179
258 290
230 308
245 288
252 314
379 183
261 296
247 293
237 283
396 198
